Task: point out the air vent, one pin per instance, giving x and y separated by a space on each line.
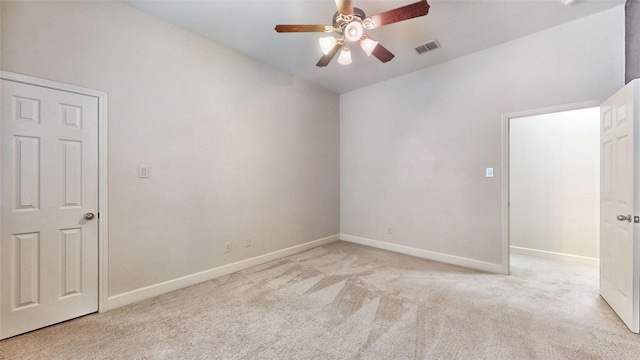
431 45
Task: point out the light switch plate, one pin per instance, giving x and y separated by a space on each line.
489 172
143 171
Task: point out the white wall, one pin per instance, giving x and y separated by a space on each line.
414 149
554 178
236 149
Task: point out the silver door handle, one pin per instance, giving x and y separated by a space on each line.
88 216
623 218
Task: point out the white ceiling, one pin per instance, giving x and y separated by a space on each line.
461 27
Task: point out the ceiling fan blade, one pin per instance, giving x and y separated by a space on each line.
325 60
421 8
382 53
345 7
300 28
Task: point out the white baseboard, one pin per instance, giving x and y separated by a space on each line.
185 281
425 254
567 258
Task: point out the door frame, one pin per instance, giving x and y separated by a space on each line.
103 200
506 122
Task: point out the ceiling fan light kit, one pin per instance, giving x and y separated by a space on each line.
327 43
353 31
345 56
350 23
368 44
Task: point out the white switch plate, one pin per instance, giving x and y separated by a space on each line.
489 172
143 171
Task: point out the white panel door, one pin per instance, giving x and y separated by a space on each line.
618 204
48 182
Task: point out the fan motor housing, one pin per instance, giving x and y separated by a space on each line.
339 25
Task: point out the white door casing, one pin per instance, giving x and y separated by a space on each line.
506 181
618 204
49 180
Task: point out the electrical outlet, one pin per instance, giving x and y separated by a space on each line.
247 243
389 230
227 247
143 171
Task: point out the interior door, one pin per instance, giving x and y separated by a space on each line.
48 220
619 204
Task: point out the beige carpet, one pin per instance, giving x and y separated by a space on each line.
345 301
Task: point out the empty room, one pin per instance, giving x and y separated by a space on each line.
318 179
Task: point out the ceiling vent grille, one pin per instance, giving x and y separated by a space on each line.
431 45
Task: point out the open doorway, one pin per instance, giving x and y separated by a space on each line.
552 184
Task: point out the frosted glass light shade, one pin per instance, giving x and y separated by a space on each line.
327 43
368 45
345 56
353 32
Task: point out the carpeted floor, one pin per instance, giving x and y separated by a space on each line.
346 301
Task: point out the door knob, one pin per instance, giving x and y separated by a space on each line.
88 216
623 218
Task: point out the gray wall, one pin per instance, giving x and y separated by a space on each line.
236 149
414 149
633 39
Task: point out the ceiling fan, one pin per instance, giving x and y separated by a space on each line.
350 23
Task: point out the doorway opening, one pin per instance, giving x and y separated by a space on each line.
551 184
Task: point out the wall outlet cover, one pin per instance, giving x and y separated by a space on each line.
143 171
